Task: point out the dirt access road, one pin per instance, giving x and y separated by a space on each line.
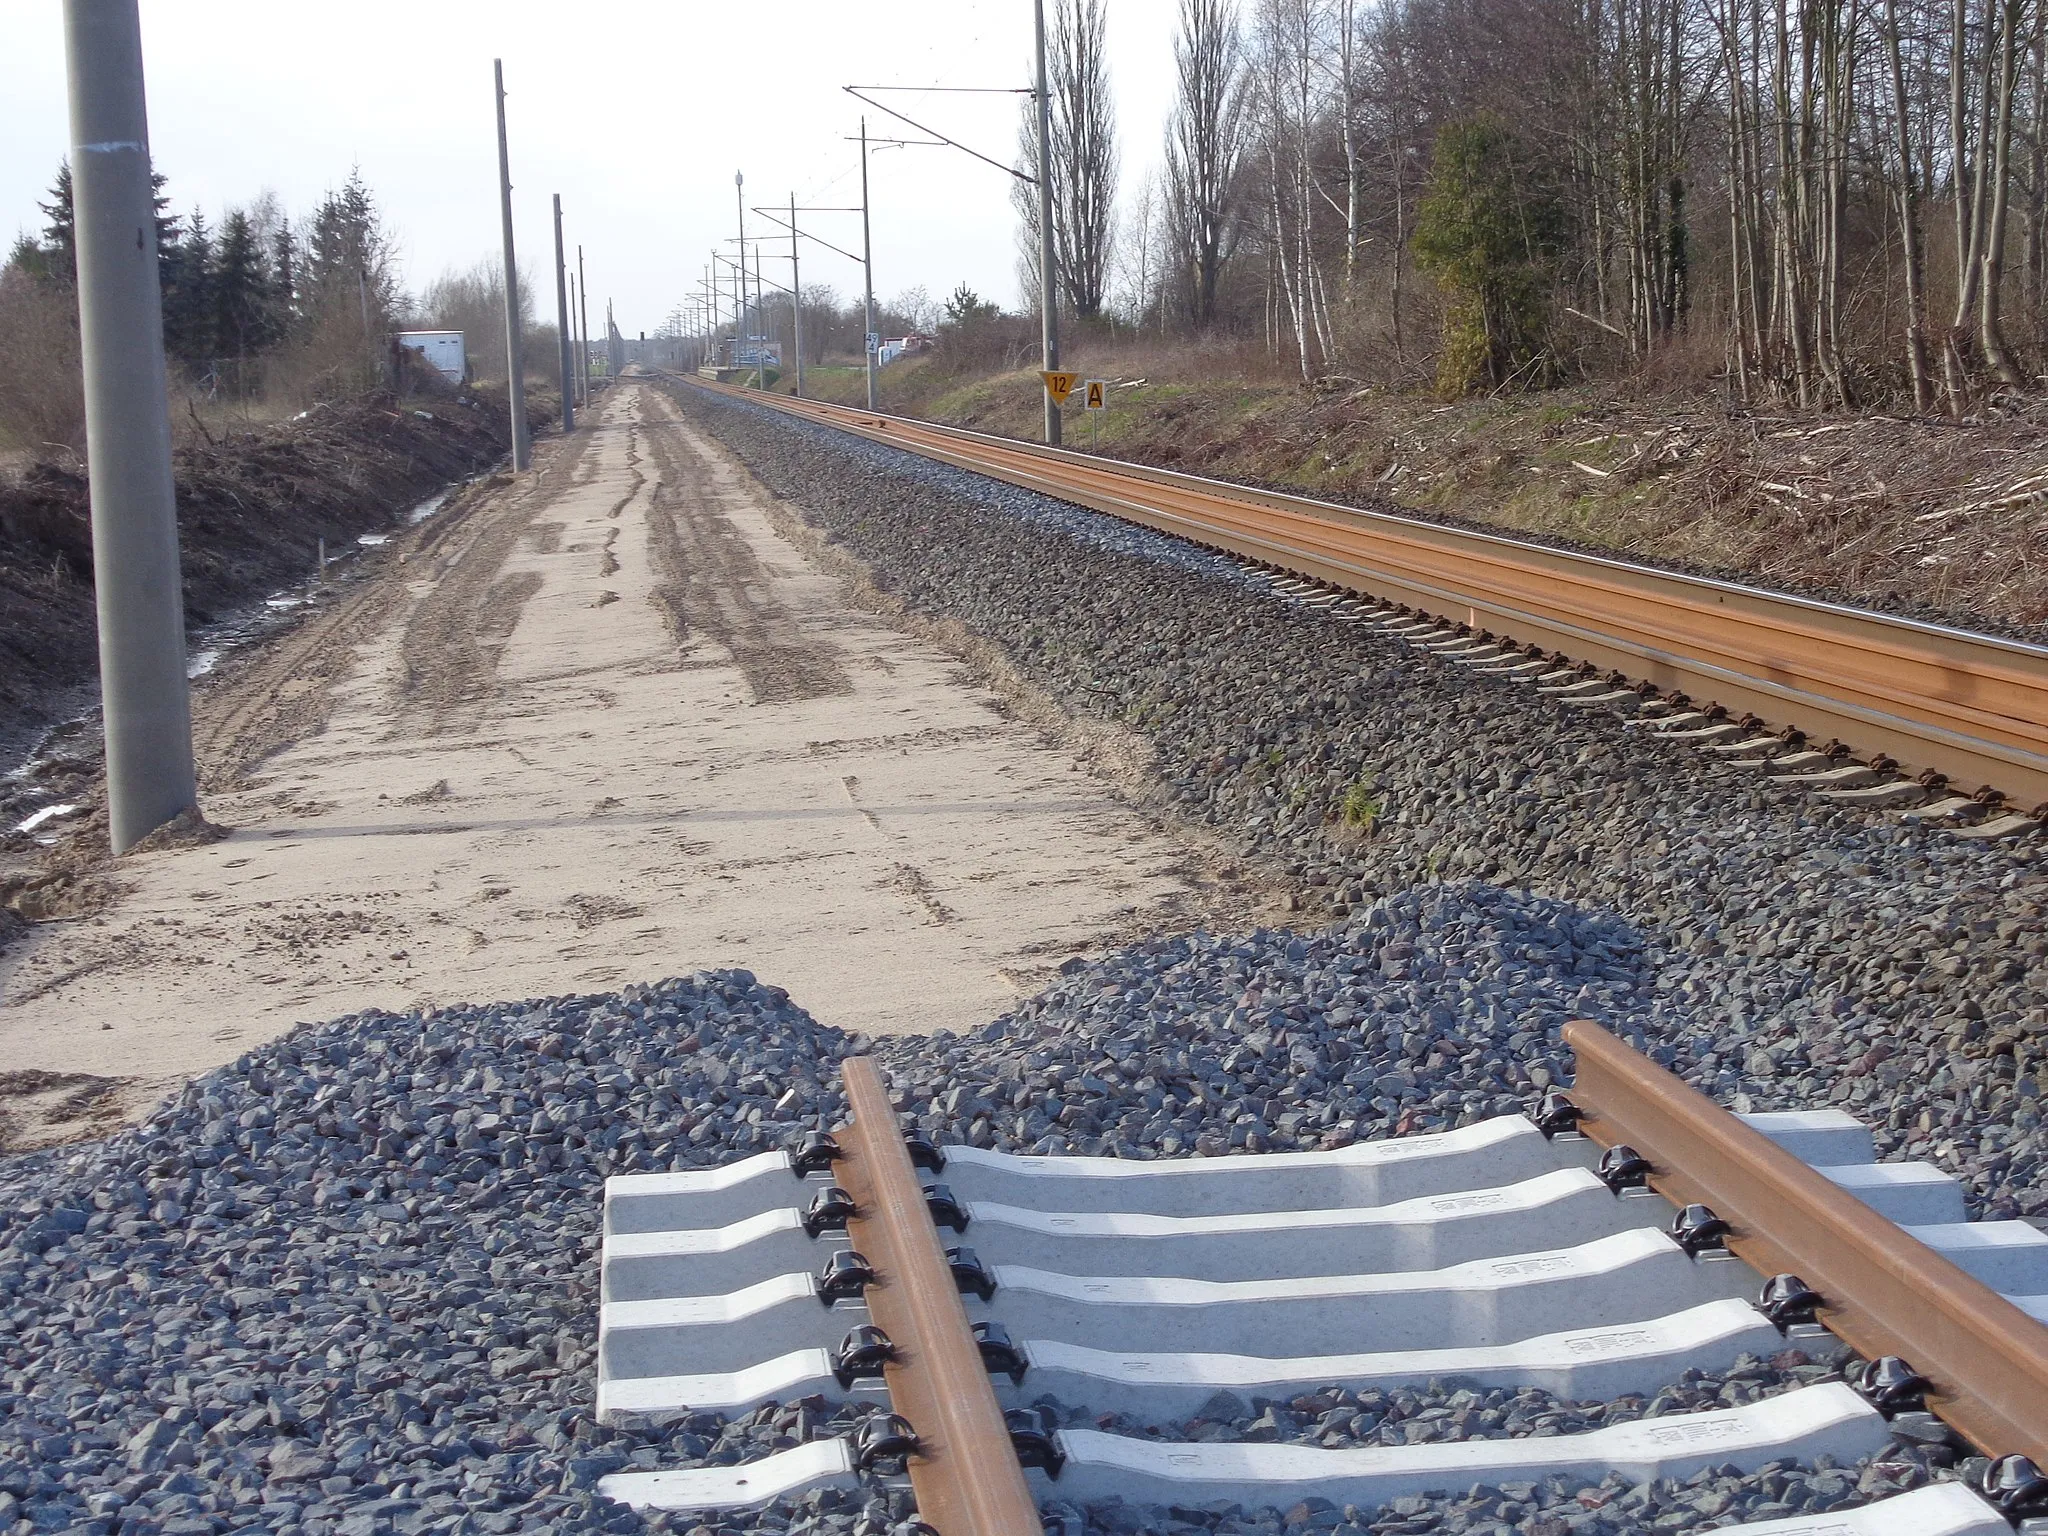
606 723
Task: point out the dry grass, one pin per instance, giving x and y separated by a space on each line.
42 402
1921 515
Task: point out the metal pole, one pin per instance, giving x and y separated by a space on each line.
583 321
575 344
127 426
1048 297
867 262
562 324
515 364
796 299
739 193
760 319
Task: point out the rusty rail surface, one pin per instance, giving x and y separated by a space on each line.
1972 708
965 1471
1886 1293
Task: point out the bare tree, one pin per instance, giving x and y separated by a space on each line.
1204 148
1084 160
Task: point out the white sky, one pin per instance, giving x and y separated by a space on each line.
674 97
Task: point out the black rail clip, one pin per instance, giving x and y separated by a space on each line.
861 1355
1623 1167
1698 1230
2016 1488
816 1152
887 1437
946 1211
1788 1301
845 1277
923 1152
998 1355
1034 1437
969 1274
1892 1386
1557 1115
831 1208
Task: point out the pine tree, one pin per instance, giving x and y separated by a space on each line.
284 278
57 254
27 257
348 259
60 235
240 289
189 332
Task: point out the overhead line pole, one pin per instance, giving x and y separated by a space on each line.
576 343
583 320
515 370
1049 331
143 688
739 183
796 301
867 262
562 324
1048 307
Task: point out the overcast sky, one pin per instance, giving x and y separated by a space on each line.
637 113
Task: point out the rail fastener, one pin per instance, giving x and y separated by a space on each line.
1879 1289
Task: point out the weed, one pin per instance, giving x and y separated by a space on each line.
1363 805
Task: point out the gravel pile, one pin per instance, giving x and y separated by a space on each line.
1797 954
348 1284
1436 1007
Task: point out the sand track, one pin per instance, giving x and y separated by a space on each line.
603 723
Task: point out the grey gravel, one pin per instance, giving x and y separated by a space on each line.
1336 1418
1797 953
347 1284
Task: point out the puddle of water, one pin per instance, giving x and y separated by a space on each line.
218 640
47 813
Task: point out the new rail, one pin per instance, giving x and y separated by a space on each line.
1416 1257
1956 708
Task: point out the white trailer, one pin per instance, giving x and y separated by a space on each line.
442 350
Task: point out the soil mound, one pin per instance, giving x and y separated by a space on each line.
252 509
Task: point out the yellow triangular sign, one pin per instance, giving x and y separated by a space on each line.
1059 385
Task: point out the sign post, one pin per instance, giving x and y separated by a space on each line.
1095 400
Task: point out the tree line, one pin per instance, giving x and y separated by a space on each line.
1816 203
258 308
240 291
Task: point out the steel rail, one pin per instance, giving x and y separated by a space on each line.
1885 1293
1970 707
965 1471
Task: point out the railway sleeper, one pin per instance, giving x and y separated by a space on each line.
1495 1254
1857 785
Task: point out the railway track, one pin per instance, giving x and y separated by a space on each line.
1937 723
1603 1244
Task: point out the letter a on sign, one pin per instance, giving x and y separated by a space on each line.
1059 385
1093 400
